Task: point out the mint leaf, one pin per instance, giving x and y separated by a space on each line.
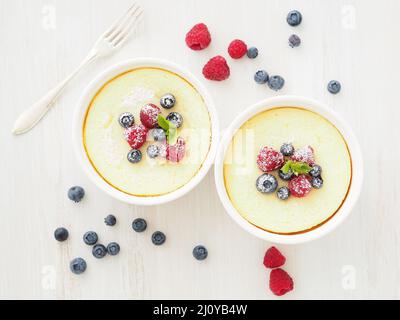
296 167
287 167
170 129
163 123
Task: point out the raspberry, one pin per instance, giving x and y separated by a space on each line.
305 155
199 37
176 152
237 49
269 160
301 186
280 282
217 69
149 116
274 259
136 136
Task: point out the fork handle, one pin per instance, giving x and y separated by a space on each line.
31 117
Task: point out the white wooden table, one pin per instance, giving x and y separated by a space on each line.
353 41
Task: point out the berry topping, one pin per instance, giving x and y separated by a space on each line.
159 135
286 176
200 253
113 249
90 238
267 183
61 234
110 220
139 225
237 49
158 238
300 186
269 160
78 266
135 156
280 282
252 53
305 155
317 182
294 41
99 251
175 153
76 194
136 136
199 37
287 149
334 87
261 77
283 193
149 115
176 119
276 83
126 120
294 18
217 69
153 151
316 171
274 258
168 101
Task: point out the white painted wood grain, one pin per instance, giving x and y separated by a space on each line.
37 169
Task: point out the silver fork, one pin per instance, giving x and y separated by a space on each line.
107 44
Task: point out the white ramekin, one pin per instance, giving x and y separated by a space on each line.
357 162
85 101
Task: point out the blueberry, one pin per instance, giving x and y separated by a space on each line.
110 220
276 83
317 182
126 120
200 253
286 176
158 238
135 156
252 53
287 149
168 101
267 183
153 151
78 266
159 135
294 41
90 238
294 18
61 234
261 77
316 171
283 193
113 249
334 87
99 251
76 194
176 119
139 225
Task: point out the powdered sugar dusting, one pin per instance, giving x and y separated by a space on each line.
136 136
137 96
305 155
269 160
300 186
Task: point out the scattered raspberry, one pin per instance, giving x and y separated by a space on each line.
269 160
301 186
305 155
274 258
217 69
136 136
149 115
199 37
280 282
237 49
176 152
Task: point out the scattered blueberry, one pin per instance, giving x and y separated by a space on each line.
287 149
286 176
99 251
334 87
294 18
110 220
135 156
283 193
261 77
316 171
139 225
78 266
61 234
158 238
294 41
276 83
317 182
113 249
168 101
252 53
200 253
153 151
76 194
159 135
176 119
267 183
90 238
126 120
